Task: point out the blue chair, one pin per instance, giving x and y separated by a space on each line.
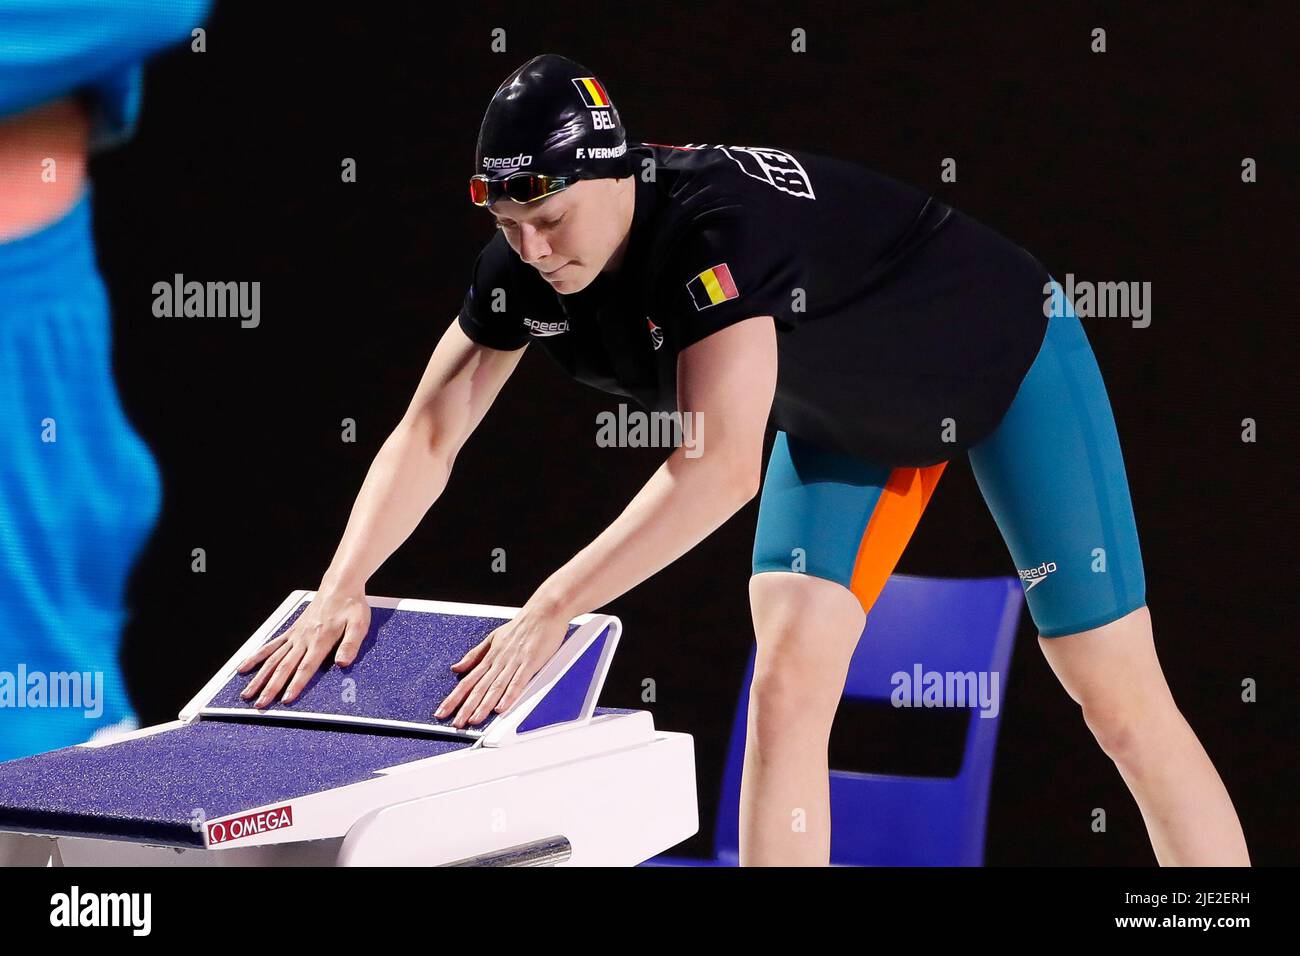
946 625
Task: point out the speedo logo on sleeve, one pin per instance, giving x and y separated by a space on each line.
712 286
542 329
1033 577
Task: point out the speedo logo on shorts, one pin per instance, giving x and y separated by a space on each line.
712 286
546 328
507 162
1036 576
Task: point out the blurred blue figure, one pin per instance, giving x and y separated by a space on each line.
79 490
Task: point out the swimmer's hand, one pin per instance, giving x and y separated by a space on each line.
501 665
334 615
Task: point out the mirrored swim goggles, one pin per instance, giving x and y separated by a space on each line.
521 187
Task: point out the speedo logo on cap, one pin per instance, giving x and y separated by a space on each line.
712 286
1035 576
507 162
592 93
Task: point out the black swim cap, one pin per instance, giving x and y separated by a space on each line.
552 116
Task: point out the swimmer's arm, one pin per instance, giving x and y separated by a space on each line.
727 380
52 48
459 385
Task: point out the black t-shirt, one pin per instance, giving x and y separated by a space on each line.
894 312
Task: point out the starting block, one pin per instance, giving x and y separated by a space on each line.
358 772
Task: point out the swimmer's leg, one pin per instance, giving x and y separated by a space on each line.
1053 477
830 531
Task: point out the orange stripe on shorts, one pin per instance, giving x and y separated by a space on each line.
895 517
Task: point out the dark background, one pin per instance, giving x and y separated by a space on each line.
1120 166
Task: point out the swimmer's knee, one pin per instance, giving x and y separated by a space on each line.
787 602
806 629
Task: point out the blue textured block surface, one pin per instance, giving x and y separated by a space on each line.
402 671
150 788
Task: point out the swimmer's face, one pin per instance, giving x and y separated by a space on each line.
573 234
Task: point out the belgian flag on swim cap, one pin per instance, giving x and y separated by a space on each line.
592 93
712 286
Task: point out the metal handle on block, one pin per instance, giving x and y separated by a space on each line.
546 852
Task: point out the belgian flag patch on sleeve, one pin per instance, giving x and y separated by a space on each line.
712 286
